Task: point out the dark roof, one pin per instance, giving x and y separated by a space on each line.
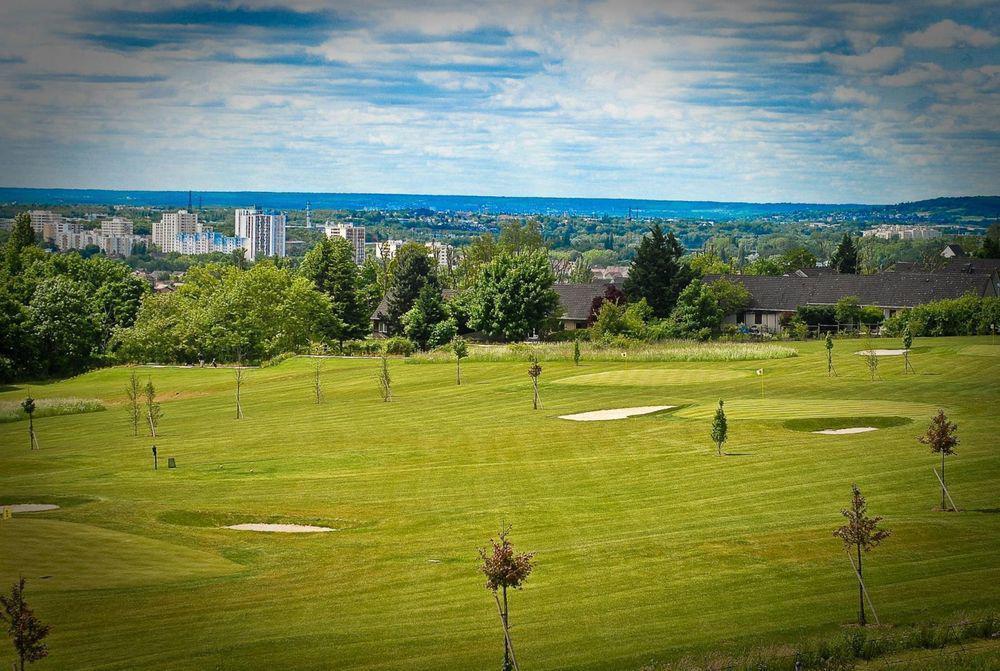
955 264
955 249
383 305
887 290
814 271
577 299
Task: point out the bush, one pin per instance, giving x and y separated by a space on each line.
968 315
816 315
399 346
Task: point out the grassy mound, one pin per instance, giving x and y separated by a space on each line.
11 411
810 424
654 377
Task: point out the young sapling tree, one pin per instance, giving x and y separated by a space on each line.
942 439
461 350
504 568
153 411
26 631
28 405
535 370
576 351
318 351
829 355
871 360
860 533
134 392
720 428
384 379
907 344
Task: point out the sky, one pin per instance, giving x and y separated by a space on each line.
757 100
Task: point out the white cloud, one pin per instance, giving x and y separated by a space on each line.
878 59
947 33
853 96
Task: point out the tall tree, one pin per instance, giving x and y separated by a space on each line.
513 296
845 259
860 533
516 236
656 273
63 324
414 270
942 439
26 631
720 428
420 323
504 568
21 236
331 268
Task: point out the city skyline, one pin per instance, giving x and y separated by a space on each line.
771 102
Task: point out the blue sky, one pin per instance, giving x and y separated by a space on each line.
694 99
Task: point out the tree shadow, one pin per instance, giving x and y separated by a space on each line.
737 454
988 511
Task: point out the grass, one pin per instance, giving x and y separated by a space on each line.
649 547
670 351
11 411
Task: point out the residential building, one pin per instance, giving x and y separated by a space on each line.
50 224
112 245
265 233
387 249
172 224
773 299
901 232
353 234
443 253
207 242
117 226
951 251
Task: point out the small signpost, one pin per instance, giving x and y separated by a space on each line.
154 457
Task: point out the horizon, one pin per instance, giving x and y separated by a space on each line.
775 101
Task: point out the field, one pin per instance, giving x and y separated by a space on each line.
649 547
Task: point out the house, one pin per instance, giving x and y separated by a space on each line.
775 298
575 303
955 264
952 251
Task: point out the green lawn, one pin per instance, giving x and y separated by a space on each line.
649 547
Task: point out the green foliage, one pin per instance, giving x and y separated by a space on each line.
697 313
656 273
414 270
731 297
816 315
576 352
621 320
21 236
845 259
63 325
765 266
513 295
330 267
708 263
26 631
428 323
720 428
968 315
11 411
223 312
848 310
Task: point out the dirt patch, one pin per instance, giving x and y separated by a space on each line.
280 528
616 413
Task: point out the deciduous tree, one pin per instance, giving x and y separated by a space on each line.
504 568
28 405
461 350
133 391
26 631
860 533
535 371
720 428
942 438
513 295
153 411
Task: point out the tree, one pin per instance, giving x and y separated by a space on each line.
829 355
63 324
871 359
611 294
576 351
907 344
384 379
860 533
516 236
461 350
26 631
239 386
153 411
318 351
581 273
696 313
425 323
656 274
331 268
28 405
535 370
730 296
21 236
720 428
414 270
848 310
845 258
133 391
942 439
797 258
512 296
504 568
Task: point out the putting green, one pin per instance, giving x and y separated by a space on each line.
802 409
654 377
66 555
980 350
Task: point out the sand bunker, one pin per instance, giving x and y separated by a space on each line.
882 352
281 528
841 432
29 507
617 413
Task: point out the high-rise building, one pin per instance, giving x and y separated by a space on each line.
444 254
206 242
265 233
49 224
353 234
116 226
387 249
171 224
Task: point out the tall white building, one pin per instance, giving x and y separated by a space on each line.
265 233
117 226
206 242
49 224
444 254
353 234
387 249
172 224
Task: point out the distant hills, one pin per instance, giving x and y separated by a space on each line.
944 210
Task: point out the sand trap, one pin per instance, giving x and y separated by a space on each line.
841 432
882 352
29 507
617 413
281 528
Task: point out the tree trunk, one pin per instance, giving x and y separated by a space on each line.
31 432
534 400
506 626
861 592
152 426
944 491
458 372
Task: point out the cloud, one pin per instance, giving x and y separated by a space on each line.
947 33
853 96
878 59
919 73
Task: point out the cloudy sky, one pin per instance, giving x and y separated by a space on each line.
693 99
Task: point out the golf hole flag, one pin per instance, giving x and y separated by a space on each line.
760 372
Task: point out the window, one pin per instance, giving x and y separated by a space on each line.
758 317
741 317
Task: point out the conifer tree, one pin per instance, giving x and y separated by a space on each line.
720 428
656 273
576 351
845 258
